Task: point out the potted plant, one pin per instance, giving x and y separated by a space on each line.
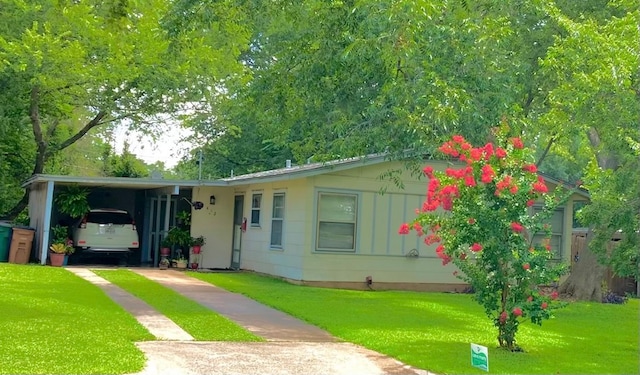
180 261
73 201
70 250
57 254
164 263
197 243
165 246
195 261
179 237
61 247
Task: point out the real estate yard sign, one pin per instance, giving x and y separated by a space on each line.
480 357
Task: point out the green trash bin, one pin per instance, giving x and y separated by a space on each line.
5 241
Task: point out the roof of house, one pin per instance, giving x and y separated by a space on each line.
118 182
280 174
306 170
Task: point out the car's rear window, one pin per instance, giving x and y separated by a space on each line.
109 218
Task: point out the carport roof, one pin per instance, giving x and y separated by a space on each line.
119 182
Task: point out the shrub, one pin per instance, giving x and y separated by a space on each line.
479 217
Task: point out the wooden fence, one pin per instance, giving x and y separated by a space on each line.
618 285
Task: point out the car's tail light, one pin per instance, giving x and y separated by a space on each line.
83 223
133 224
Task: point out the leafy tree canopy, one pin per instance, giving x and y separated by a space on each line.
70 67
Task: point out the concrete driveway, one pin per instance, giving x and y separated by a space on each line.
292 346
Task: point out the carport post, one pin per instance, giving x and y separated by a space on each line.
46 223
167 218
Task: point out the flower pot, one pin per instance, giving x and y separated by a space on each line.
194 266
196 249
165 251
56 259
181 265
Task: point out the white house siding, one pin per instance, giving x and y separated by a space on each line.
380 251
215 223
257 253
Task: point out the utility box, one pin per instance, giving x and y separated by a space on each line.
21 242
5 241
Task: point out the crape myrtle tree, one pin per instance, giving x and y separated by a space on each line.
479 215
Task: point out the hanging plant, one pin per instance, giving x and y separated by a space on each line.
73 201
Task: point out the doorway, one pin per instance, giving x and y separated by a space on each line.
238 209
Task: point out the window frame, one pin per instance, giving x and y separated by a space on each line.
280 219
355 222
556 236
257 210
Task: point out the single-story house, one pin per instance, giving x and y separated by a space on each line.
330 224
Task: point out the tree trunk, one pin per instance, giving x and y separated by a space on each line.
43 150
585 281
17 208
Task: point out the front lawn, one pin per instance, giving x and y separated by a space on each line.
199 321
53 322
433 330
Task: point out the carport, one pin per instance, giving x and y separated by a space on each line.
152 202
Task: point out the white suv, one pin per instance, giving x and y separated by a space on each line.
106 230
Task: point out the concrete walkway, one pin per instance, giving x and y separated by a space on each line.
261 320
157 324
293 347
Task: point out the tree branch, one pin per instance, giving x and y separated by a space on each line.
34 114
96 121
546 150
36 127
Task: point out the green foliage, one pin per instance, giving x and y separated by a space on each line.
198 241
614 213
59 234
73 201
479 215
124 165
68 68
200 322
432 331
60 242
178 236
325 81
51 318
592 79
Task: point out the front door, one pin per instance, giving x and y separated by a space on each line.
155 226
238 208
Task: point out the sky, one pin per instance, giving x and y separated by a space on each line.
167 148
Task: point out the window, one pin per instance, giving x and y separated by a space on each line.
256 203
336 229
277 220
556 222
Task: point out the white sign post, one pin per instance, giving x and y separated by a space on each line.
480 357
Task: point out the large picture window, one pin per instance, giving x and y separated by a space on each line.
256 204
337 215
277 220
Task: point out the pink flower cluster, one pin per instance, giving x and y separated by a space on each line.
446 259
459 148
439 196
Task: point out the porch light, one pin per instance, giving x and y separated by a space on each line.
212 200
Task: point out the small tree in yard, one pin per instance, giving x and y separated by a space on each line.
479 217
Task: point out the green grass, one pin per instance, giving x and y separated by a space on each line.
200 322
53 322
433 330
